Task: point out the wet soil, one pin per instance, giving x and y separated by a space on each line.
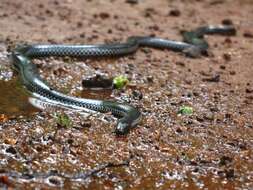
210 149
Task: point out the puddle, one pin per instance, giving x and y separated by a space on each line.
13 96
14 99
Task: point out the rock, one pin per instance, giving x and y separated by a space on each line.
180 63
132 2
224 160
104 15
227 56
227 22
232 72
175 13
137 95
150 79
215 78
223 67
248 34
97 81
11 150
230 173
247 90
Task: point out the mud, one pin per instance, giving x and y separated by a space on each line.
210 149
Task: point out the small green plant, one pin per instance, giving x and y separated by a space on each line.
120 81
63 120
185 110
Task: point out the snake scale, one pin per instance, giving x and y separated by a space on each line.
129 116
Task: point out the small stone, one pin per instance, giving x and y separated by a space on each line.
224 160
54 180
104 15
228 40
178 130
248 34
180 63
79 24
215 78
82 35
243 146
199 119
86 124
109 31
216 2
249 90
230 173
227 56
70 141
97 81
11 150
154 27
227 22
137 95
132 2
149 12
223 67
175 13
150 79
232 72
214 109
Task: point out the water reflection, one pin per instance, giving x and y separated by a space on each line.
14 99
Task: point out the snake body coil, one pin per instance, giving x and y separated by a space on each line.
129 115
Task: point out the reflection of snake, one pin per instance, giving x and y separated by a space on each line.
130 116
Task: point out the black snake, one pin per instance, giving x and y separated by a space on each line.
21 56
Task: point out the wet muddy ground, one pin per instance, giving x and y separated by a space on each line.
212 148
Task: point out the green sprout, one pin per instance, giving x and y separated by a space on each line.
63 120
185 110
120 81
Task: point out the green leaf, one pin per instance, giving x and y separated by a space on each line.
120 81
185 110
63 120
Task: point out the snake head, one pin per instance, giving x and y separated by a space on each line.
18 60
122 128
22 48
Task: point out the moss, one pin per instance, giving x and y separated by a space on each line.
185 110
63 120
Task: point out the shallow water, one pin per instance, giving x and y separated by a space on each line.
14 99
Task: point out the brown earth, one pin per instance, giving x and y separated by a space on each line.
211 149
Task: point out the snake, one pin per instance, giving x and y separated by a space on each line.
129 116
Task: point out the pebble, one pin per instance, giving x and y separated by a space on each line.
223 67
247 90
175 13
232 72
227 56
230 173
248 34
54 180
132 2
150 79
104 15
97 81
137 95
180 63
11 150
227 22
215 78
